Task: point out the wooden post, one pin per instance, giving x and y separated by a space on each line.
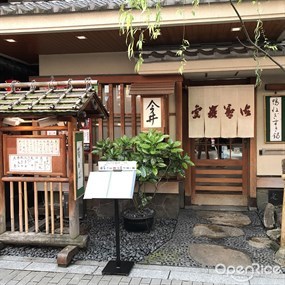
73 206
282 241
280 254
2 190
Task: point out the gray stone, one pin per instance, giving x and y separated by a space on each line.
274 234
235 219
260 242
280 256
216 231
212 255
268 217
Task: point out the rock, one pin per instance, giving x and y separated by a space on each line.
216 231
274 234
260 242
234 219
269 216
212 255
280 257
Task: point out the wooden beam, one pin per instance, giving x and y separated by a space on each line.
43 239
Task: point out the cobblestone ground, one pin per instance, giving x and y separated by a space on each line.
175 252
167 244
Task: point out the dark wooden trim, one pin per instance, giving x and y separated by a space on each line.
111 112
100 121
114 79
134 115
122 104
218 82
179 111
275 87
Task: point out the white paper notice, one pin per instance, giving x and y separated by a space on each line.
110 185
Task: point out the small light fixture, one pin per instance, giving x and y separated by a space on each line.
10 40
235 29
81 37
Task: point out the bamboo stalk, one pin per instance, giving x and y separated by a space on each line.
20 207
12 212
60 208
46 207
26 208
51 207
34 179
36 207
48 84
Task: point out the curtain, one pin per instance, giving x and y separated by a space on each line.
221 111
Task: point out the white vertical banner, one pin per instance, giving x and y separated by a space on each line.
212 113
229 111
275 119
245 111
196 112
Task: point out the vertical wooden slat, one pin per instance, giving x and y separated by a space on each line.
100 121
20 207
12 211
46 207
122 110
60 208
134 115
111 113
36 207
51 207
26 208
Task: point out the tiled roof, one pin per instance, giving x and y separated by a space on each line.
204 52
67 6
51 101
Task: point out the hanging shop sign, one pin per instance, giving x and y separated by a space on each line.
152 113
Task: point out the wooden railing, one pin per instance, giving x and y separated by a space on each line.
50 188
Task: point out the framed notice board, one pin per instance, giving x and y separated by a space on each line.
274 119
39 154
78 160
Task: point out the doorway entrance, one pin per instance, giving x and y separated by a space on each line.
220 175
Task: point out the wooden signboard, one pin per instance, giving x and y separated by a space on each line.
34 154
78 161
275 119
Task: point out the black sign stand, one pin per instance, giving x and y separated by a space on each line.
117 267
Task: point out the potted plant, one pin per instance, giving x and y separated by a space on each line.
158 158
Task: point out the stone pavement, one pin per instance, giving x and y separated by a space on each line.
31 271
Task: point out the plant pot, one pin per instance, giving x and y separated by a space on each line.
138 220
